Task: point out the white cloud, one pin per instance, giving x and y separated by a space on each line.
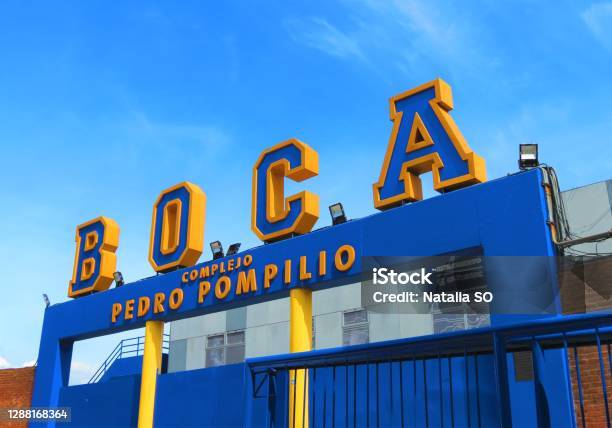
598 18
319 34
140 138
80 372
170 133
4 364
30 363
400 34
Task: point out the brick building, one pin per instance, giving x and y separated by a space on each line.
16 391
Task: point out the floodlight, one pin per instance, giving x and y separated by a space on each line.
528 156
46 299
233 249
118 279
337 213
217 249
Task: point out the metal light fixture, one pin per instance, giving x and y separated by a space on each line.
46 299
118 276
233 249
217 250
528 156
337 213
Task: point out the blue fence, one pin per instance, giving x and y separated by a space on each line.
554 372
132 347
469 378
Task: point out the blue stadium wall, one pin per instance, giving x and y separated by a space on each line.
504 217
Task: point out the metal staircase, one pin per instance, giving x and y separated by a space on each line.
132 347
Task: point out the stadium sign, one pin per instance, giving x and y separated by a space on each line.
424 138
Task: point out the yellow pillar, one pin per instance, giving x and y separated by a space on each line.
300 340
151 366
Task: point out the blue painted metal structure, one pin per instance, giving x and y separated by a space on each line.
504 217
104 404
131 349
437 380
454 379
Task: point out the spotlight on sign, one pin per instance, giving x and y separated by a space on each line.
337 213
233 249
528 156
118 276
46 299
217 249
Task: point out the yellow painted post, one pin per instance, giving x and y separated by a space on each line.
151 366
300 339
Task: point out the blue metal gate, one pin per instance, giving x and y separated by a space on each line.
460 379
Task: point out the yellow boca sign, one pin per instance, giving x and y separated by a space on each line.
424 138
273 216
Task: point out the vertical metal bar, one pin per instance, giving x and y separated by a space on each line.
377 398
441 390
354 395
346 395
314 395
401 380
268 409
579 382
304 396
294 407
324 408
414 382
569 379
501 381
288 388
274 396
603 376
450 388
334 396
540 399
367 406
477 391
391 385
425 389
467 387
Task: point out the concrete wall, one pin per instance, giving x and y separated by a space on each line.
589 211
266 327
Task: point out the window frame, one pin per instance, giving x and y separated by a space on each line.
224 346
361 325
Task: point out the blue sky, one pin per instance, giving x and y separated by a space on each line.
103 105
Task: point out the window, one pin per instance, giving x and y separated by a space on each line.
355 327
225 348
460 274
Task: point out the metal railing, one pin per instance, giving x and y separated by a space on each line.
131 347
452 379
